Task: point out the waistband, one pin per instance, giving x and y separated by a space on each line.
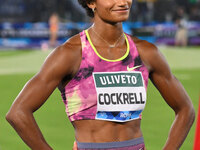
107 145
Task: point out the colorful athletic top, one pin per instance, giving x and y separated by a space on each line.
103 89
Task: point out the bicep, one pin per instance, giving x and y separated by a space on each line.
39 88
34 94
170 88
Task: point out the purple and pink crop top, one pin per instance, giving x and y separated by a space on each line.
103 89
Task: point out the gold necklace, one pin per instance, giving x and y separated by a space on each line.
110 45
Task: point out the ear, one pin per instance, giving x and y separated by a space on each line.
92 5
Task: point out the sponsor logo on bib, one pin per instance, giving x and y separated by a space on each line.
121 96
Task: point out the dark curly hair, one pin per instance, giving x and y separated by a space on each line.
84 3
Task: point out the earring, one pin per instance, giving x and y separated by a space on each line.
93 9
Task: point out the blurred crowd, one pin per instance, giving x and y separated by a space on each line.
70 10
46 23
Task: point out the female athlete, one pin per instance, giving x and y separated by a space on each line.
102 74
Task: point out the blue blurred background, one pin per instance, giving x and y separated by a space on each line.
24 24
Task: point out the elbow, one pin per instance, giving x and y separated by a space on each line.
11 117
187 113
15 117
192 114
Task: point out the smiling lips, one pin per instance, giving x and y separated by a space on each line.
121 10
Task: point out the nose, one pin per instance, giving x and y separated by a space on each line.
122 3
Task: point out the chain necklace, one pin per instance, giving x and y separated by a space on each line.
110 45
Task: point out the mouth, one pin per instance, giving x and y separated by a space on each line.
121 10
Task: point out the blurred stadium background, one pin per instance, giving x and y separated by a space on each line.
24 36
24 24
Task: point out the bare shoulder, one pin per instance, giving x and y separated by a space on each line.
65 59
143 44
71 47
74 41
149 53
70 51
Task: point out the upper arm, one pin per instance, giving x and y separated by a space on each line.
61 62
161 76
167 84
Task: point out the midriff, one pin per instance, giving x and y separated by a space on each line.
96 131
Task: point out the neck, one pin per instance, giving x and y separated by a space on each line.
109 31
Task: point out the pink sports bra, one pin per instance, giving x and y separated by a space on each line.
103 89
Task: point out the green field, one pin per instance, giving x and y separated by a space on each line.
17 67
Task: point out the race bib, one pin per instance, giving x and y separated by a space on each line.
121 96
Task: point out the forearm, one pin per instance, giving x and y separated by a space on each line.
180 128
27 128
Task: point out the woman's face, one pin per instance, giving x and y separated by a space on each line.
112 10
